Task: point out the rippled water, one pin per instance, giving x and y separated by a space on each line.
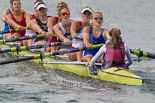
24 82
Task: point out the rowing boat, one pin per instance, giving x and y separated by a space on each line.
113 74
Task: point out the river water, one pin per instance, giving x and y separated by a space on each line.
28 83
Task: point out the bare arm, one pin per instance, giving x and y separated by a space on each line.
106 34
58 32
74 29
4 14
28 18
35 27
11 22
51 23
85 35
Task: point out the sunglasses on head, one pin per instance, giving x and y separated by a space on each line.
67 13
98 18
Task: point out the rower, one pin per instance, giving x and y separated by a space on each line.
17 19
94 34
62 29
4 14
29 31
39 25
52 22
76 30
115 50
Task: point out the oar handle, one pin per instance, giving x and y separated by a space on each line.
10 30
20 38
79 38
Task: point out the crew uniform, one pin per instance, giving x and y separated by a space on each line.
43 26
94 40
76 42
22 22
67 35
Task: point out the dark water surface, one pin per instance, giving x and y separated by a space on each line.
28 83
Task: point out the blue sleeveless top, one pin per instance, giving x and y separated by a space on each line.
96 40
6 27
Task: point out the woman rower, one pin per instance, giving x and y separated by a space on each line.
53 21
94 35
29 31
62 29
39 25
17 19
115 51
76 30
4 14
35 15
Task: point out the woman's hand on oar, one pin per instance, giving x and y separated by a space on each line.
43 55
140 53
12 30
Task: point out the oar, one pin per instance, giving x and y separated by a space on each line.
140 53
24 48
80 38
10 30
71 63
20 38
43 55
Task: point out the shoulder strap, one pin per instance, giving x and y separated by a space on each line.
80 22
91 30
91 35
9 11
23 14
13 17
34 16
23 17
56 19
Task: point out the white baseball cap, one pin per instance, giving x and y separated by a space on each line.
35 5
41 6
86 9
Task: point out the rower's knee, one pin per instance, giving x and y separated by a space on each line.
88 58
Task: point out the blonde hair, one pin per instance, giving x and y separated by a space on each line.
87 7
97 12
116 37
62 3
